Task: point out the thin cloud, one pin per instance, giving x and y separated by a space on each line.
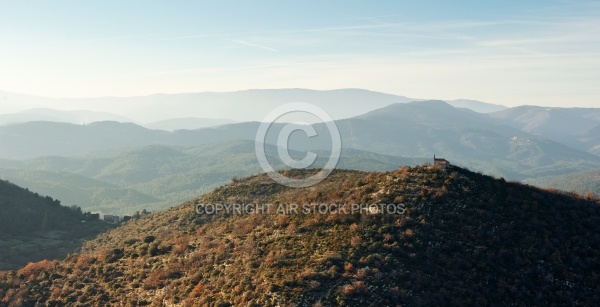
457 24
245 43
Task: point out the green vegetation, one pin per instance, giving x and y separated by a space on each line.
157 177
465 239
582 183
33 227
138 168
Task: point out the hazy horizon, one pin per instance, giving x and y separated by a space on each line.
74 103
509 53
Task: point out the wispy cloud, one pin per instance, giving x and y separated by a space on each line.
245 43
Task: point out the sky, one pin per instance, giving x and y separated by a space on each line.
505 52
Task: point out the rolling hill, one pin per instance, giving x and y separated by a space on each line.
74 117
187 123
134 168
417 129
158 177
570 126
591 137
475 105
462 239
463 136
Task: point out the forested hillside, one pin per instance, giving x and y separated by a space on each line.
583 182
464 239
34 227
159 177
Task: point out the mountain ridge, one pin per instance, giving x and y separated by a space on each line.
492 241
565 125
333 101
417 129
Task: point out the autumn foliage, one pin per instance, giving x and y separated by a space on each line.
32 269
465 239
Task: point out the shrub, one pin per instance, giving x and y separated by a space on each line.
356 241
356 287
291 229
84 262
181 245
348 267
32 269
197 290
154 280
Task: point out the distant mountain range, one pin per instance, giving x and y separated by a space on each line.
475 105
463 136
575 127
82 117
416 129
187 123
79 117
177 158
240 106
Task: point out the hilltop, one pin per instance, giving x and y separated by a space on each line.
463 239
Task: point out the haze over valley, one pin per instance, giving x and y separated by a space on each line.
112 165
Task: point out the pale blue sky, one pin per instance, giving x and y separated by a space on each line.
506 52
